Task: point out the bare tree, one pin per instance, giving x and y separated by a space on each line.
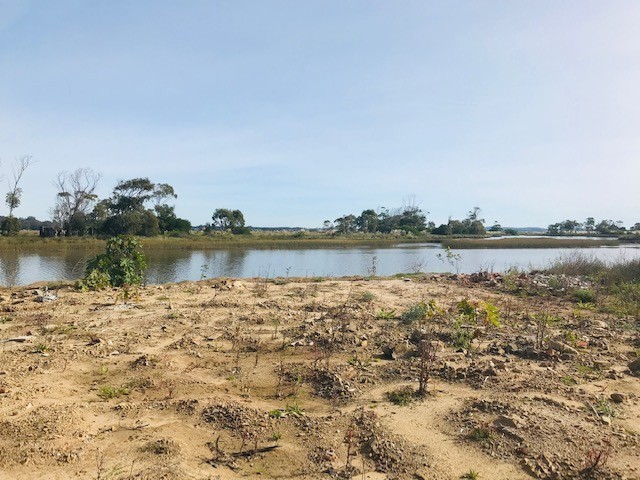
76 195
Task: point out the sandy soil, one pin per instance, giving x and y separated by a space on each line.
291 379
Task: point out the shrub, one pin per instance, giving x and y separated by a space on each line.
123 264
480 434
584 296
415 313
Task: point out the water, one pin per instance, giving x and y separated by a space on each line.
175 266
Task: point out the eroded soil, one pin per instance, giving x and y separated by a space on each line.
291 379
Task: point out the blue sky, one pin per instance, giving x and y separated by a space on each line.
301 111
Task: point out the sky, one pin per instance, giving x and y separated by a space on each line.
296 112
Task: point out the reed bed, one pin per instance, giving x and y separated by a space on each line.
33 243
523 242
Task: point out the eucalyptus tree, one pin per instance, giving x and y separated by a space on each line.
75 198
126 208
226 219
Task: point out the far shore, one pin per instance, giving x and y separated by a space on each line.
30 242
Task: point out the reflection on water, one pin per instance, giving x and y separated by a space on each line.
10 265
178 265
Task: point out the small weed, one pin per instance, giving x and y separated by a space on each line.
317 279
596 459
367 297
471 475
107 392
461 336
480 434
604 407
5 319
570 337
276 436
277 413
586 306
401 396
386 314
569 381
586 369
294 409
41 348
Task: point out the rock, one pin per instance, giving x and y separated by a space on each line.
511 422
634 366
601 364
396 351
606 420
562 347
617 397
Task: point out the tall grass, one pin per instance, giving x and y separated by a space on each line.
608 273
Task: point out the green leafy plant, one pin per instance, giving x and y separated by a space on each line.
491 314
106 392
386 314
461 335
467 308
123 264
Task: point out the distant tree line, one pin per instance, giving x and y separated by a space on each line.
604 227
409 219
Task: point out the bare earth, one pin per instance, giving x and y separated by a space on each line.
290 379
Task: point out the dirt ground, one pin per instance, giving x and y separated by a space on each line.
316 378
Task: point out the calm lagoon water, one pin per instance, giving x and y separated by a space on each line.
175 266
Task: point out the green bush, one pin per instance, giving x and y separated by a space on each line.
584 296
123 264
415 313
